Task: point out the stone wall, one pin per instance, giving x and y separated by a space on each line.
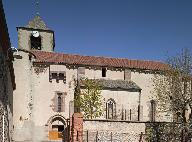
103 130
22 98
122 105
6 81
6 94
33 97
32 115
6 104
6 113
145 82
33 106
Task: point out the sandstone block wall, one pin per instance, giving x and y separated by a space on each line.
112 130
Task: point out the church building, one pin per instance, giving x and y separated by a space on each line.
44 94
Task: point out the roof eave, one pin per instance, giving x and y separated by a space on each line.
35 29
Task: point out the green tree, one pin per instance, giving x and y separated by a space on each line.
173 89
88 98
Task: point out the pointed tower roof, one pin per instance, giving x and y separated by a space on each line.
37 23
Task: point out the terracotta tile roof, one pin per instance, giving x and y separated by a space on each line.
52 57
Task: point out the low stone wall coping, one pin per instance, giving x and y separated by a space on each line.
110 120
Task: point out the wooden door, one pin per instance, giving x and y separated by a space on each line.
56 133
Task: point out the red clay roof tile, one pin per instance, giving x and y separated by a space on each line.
52 57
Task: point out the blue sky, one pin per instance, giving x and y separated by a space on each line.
135 29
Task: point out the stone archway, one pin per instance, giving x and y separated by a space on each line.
56 127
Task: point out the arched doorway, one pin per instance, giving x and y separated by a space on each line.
57 126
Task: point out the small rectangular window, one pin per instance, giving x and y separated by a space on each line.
54 75
57 76
61 76
81 70
127 74
104 70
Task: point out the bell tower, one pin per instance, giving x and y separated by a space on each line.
36 36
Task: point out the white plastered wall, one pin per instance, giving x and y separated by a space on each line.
123 99
145 82
96 73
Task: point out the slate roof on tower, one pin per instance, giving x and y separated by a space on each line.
60 58
37 23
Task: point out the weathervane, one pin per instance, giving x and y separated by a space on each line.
37 7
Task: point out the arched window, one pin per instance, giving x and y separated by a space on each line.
110 109
59 103
153 110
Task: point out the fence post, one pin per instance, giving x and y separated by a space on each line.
77 138
130 114
68 130
141 136
87 136
125 114
97 136
122 116
138 112
182 136
111 137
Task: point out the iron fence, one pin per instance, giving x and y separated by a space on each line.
107 136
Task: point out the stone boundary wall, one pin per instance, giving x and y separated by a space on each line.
108 130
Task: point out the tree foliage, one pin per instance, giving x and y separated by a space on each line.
173 87
88 98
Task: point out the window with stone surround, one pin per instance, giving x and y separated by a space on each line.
59 102
127 75
110 109
57 75
81 72
153 110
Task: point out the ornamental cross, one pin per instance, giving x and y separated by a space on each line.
37 7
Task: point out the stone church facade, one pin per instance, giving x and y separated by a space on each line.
43 99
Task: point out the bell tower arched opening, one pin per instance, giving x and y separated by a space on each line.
35 42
